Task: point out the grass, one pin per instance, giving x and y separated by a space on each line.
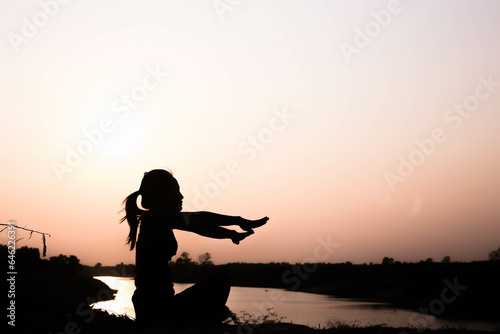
245 323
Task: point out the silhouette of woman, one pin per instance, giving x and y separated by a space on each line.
154 299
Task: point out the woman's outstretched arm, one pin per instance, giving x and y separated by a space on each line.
216 219
209 224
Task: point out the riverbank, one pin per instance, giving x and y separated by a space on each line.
53 295
49 292
104 323
445 290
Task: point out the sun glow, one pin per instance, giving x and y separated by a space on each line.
124 139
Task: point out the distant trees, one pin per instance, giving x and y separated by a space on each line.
205 259
69 263
28 254
28 260
184 259
495 255
389 260
185 269
446 259
120 270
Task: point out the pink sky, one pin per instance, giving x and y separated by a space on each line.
264 98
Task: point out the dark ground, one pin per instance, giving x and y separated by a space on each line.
103 323
465 289
52 296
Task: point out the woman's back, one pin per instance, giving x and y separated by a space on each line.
155 247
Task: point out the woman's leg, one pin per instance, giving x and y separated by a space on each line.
204 302
153 308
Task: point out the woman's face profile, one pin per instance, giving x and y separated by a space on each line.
174 196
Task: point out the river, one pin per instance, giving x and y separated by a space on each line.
310 309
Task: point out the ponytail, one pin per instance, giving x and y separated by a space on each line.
152 189
132 216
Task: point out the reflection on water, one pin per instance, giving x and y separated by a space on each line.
298 307
122 304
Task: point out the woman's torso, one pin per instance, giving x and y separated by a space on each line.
155 247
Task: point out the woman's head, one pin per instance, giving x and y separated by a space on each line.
158 188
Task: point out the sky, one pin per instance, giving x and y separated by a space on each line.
363 129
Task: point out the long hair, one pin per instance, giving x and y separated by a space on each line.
153 185
132 216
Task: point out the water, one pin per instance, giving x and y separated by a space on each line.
297 307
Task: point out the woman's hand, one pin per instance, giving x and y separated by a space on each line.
249 225
237 237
